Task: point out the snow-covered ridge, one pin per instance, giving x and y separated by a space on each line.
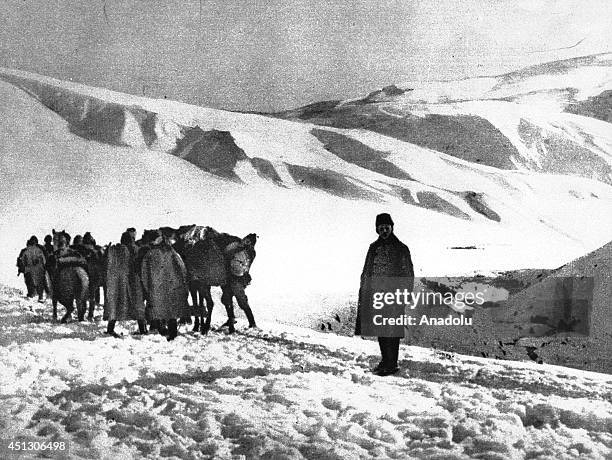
252 148
550 118
581 77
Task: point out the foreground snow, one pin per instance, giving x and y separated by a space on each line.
282 392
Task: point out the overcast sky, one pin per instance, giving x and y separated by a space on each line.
275 54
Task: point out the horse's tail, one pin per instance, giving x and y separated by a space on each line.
49 284
81 290
83 283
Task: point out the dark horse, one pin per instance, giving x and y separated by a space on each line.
68 273
204 251
95 257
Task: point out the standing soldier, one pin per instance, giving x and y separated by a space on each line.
165 288
21 269
94 256
387 267
240 256
48 250
124 298
48 247
32 263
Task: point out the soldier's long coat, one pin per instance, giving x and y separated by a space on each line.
33 261
164 280
124 298
386 259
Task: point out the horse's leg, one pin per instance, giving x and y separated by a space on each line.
103 293
163 328
172 329
92 301
227 300
185 320
209 309
54 302
196 303
142 327
48 289
69 310
206 302
82 293
81 307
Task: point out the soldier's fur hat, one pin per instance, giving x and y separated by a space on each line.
383 219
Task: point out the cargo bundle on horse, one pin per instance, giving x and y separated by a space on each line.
216 259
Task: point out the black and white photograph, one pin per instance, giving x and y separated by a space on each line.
306 229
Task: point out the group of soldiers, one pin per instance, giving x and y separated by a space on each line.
145 280
38 262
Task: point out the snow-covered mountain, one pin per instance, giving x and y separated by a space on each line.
490 164
541 118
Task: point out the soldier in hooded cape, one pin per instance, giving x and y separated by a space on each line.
124 297
164 280
32 262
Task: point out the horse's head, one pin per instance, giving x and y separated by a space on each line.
60 239
250 239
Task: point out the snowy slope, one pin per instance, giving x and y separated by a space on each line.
89 159
543 118
285 393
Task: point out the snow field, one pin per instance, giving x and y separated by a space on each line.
282 392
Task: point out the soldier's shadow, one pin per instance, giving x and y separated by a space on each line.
40 327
